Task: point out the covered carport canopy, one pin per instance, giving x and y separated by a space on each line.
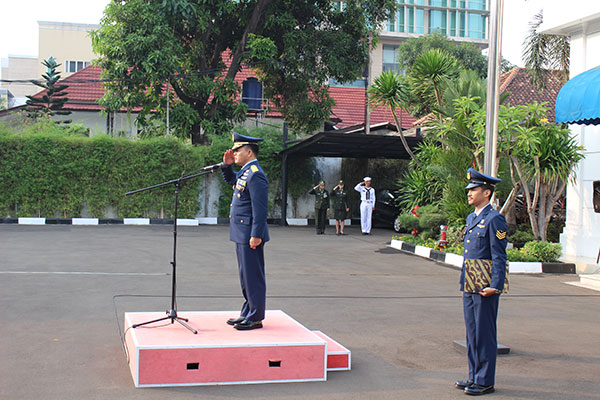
346 144
353 145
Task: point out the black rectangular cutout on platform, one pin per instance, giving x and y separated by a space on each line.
596 196
274 364
193 365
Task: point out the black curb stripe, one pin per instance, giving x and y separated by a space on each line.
558 268
59 221
547 268
110 221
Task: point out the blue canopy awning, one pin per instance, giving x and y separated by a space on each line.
578 102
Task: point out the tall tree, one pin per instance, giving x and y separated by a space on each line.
428 76
199 46
53 99
543 51
467 54
391 90
541 156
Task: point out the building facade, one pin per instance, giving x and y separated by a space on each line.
459 20
580 238
21 69
69 43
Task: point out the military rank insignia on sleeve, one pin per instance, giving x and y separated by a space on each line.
500 234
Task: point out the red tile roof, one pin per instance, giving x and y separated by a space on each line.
522 92
85 89
350 108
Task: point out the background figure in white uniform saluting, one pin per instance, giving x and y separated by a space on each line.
367 204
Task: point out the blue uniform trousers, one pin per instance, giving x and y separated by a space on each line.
482 345
251 265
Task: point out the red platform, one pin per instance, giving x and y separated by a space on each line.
165 354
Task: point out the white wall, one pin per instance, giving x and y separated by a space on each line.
581 237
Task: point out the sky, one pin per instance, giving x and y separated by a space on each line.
19 28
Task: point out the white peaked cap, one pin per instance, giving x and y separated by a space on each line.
367 178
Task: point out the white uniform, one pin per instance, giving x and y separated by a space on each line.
367 203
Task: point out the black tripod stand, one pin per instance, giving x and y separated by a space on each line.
172 313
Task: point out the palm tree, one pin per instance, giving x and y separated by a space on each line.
543 51
391 90
429 73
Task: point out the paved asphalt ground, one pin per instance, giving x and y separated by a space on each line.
63 288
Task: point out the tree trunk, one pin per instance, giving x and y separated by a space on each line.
198 136
531 204
403 139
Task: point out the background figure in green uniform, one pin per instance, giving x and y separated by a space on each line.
321 206
339 198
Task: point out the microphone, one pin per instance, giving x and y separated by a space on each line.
215 167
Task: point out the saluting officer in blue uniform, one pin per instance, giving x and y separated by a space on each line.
482 280
248 227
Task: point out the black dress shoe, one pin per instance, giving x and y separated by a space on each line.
462 385
476 390
246 325
233 321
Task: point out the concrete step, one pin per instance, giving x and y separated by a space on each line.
588 281
591 279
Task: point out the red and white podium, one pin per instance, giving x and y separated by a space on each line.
165 354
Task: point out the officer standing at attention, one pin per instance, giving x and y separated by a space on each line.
321 206
367 204
339 197
248 227
483 278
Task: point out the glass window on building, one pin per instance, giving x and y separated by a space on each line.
400 19
420 21
476 26
339 5
477 4
74 66
452 23
462 23
391 24
390 58
410 17
437 21
359 83
438 3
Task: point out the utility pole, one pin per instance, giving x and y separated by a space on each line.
493 93
367 77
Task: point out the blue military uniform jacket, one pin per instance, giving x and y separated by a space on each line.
249 206
485 239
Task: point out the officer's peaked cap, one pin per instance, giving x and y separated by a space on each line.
476 179
240 140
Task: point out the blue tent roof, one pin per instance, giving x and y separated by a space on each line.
578 102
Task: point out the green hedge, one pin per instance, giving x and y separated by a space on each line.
533 251
50 175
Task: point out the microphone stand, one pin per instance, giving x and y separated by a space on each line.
172 313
